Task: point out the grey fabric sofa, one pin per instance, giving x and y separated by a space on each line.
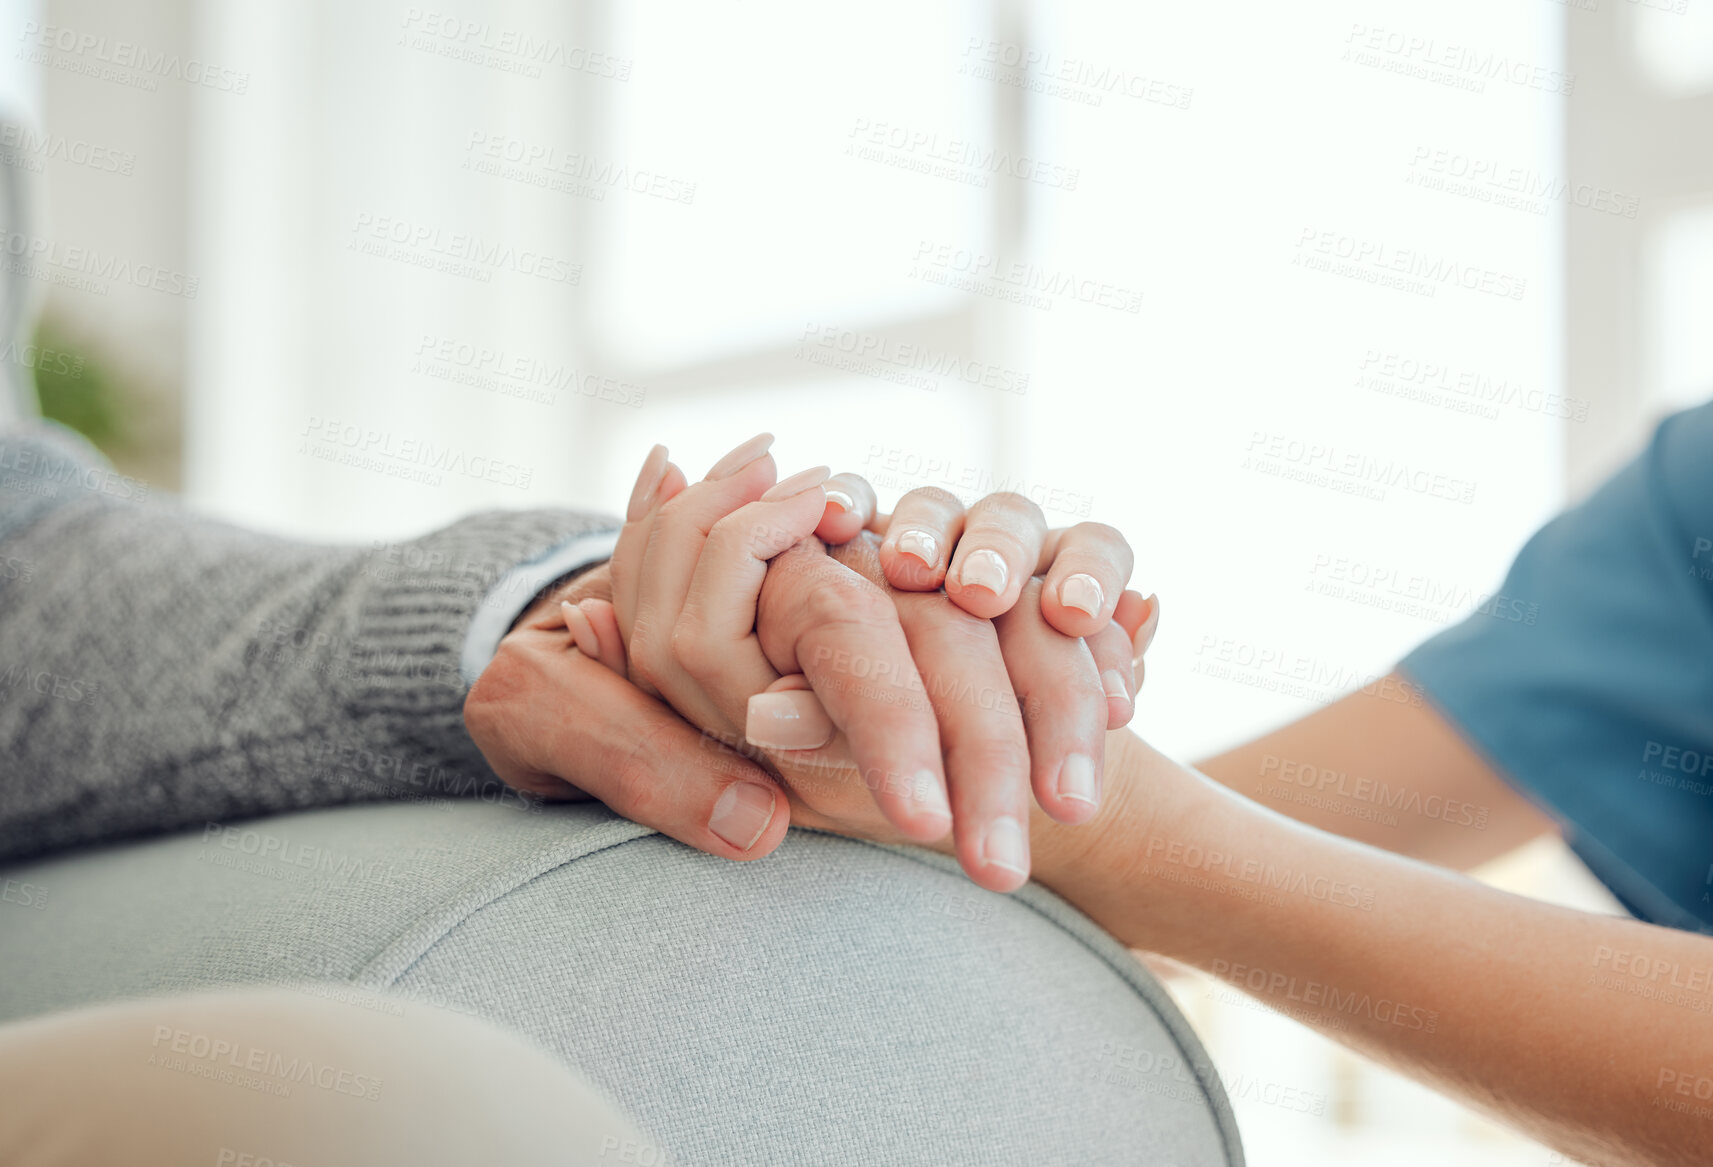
837 1002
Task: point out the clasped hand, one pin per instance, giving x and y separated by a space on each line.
759 653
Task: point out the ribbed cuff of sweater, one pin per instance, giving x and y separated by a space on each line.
411 633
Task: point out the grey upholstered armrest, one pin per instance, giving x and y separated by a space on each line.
835 1003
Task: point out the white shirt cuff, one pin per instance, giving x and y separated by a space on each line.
517 589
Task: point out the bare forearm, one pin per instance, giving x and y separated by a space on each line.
1383 767
1536 1014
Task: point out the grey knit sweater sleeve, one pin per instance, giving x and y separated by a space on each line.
160 670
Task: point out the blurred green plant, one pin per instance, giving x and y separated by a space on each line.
74 389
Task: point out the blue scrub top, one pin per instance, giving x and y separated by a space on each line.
1600 710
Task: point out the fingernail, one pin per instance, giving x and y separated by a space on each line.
742 814
742 456
582 632
984 569
930 796
798 483
1004 846
1083 593
1076 779
648 482
841 500
1145 632
1113 682
920 544
792 719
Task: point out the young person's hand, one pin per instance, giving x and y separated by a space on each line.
983 557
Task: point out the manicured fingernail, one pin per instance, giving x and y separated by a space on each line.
789 720
1145 631
930 796
920 544
984 569
1113 682
1076 779
582 631
841 500
1004 846
742 456
798 483
742 814
1083 593
647 484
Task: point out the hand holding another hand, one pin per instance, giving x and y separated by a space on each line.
916 702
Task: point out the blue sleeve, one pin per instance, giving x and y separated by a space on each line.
1589 681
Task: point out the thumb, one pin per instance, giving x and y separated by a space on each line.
561 715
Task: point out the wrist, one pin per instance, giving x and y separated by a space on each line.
592 582
1109 866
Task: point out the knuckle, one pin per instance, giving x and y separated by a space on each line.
988 757
692 650
937 497
1092 531
486 705
636 789
650 660
1097 537
847 599
1010 502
